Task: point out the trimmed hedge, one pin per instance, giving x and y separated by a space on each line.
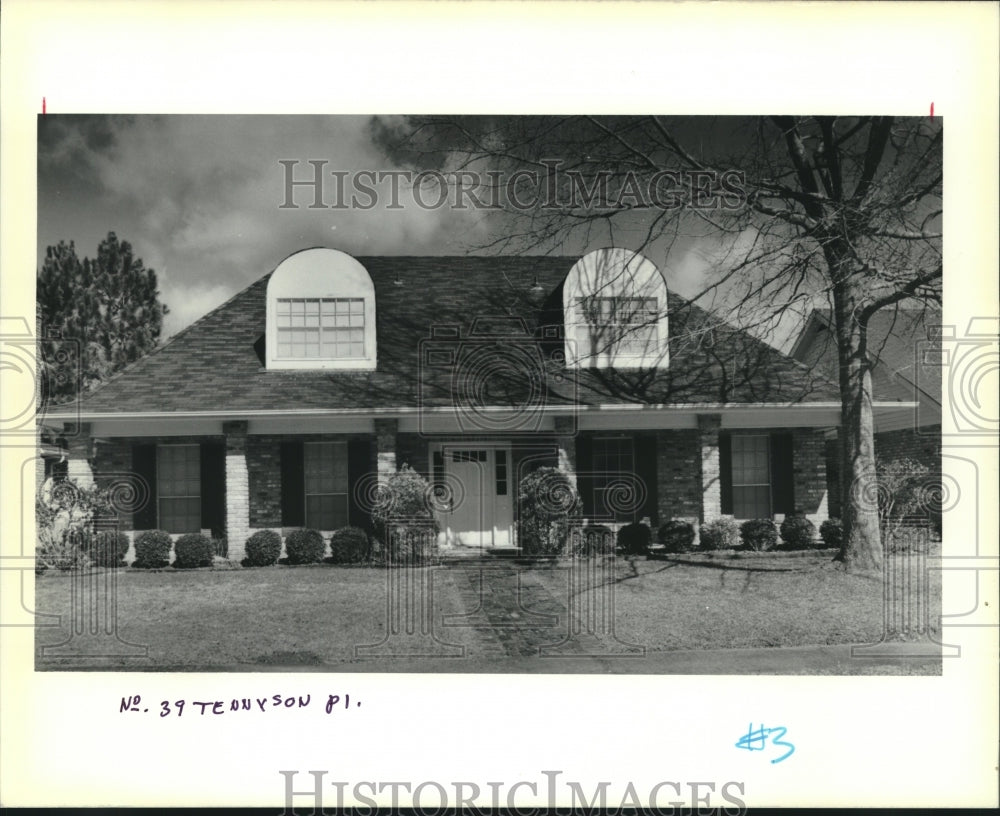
832 532
759 534
634 539
263 548
107 548
349 545
305 547
593 540
409 544
798 532
193 550
152 549
722 533
676 535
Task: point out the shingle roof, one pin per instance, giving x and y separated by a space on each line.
217 363
897 339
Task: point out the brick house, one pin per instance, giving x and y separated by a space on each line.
284 406
897 339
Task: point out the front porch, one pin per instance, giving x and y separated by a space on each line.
235 477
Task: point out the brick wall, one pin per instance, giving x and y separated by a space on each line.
809 473
264 477
831 449
711 486
678 474
237 489
923 447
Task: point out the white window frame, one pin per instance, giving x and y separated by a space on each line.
616 275
612 337
160 459
339 451
319 274
322 330
770 471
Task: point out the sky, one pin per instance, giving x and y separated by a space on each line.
199 198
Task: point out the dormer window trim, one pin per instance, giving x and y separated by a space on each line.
600 333
321 313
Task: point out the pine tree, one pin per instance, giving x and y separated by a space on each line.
96 316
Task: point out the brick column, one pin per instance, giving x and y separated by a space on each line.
79 456
678 475
711 487
809 471
385 440
237 489
566 444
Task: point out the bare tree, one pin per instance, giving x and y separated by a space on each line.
796 212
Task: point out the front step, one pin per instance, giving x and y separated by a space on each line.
478 553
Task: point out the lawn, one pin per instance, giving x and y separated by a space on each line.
495 617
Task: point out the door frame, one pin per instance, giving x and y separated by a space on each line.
442 447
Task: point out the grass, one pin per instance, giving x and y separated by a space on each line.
301 617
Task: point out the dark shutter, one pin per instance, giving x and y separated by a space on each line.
293 485
726 473
782 478
213 487
584 472
360 464
144 467
645 469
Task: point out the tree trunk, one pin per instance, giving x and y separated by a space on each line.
861 549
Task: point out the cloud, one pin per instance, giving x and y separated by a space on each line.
199 197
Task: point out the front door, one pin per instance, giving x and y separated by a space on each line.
478 476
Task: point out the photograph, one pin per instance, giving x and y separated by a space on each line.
638 394
479 406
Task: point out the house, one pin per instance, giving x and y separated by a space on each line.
898 340
285 406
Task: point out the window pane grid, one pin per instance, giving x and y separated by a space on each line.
325 470
329 328
178 487
613 460
626 323
751 477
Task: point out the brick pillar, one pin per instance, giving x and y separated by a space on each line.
566 444
711 487
809 471
678 475
79 456
237 489
385 440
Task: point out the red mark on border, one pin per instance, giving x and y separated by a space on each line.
932 110
43 107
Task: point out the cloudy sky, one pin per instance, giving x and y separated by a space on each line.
199 197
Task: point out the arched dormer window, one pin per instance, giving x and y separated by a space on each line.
615 312
320 313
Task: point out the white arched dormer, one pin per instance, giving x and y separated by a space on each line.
320 313
615 312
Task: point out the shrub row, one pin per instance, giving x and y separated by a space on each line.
349 545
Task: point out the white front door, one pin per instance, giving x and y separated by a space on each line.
478 477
